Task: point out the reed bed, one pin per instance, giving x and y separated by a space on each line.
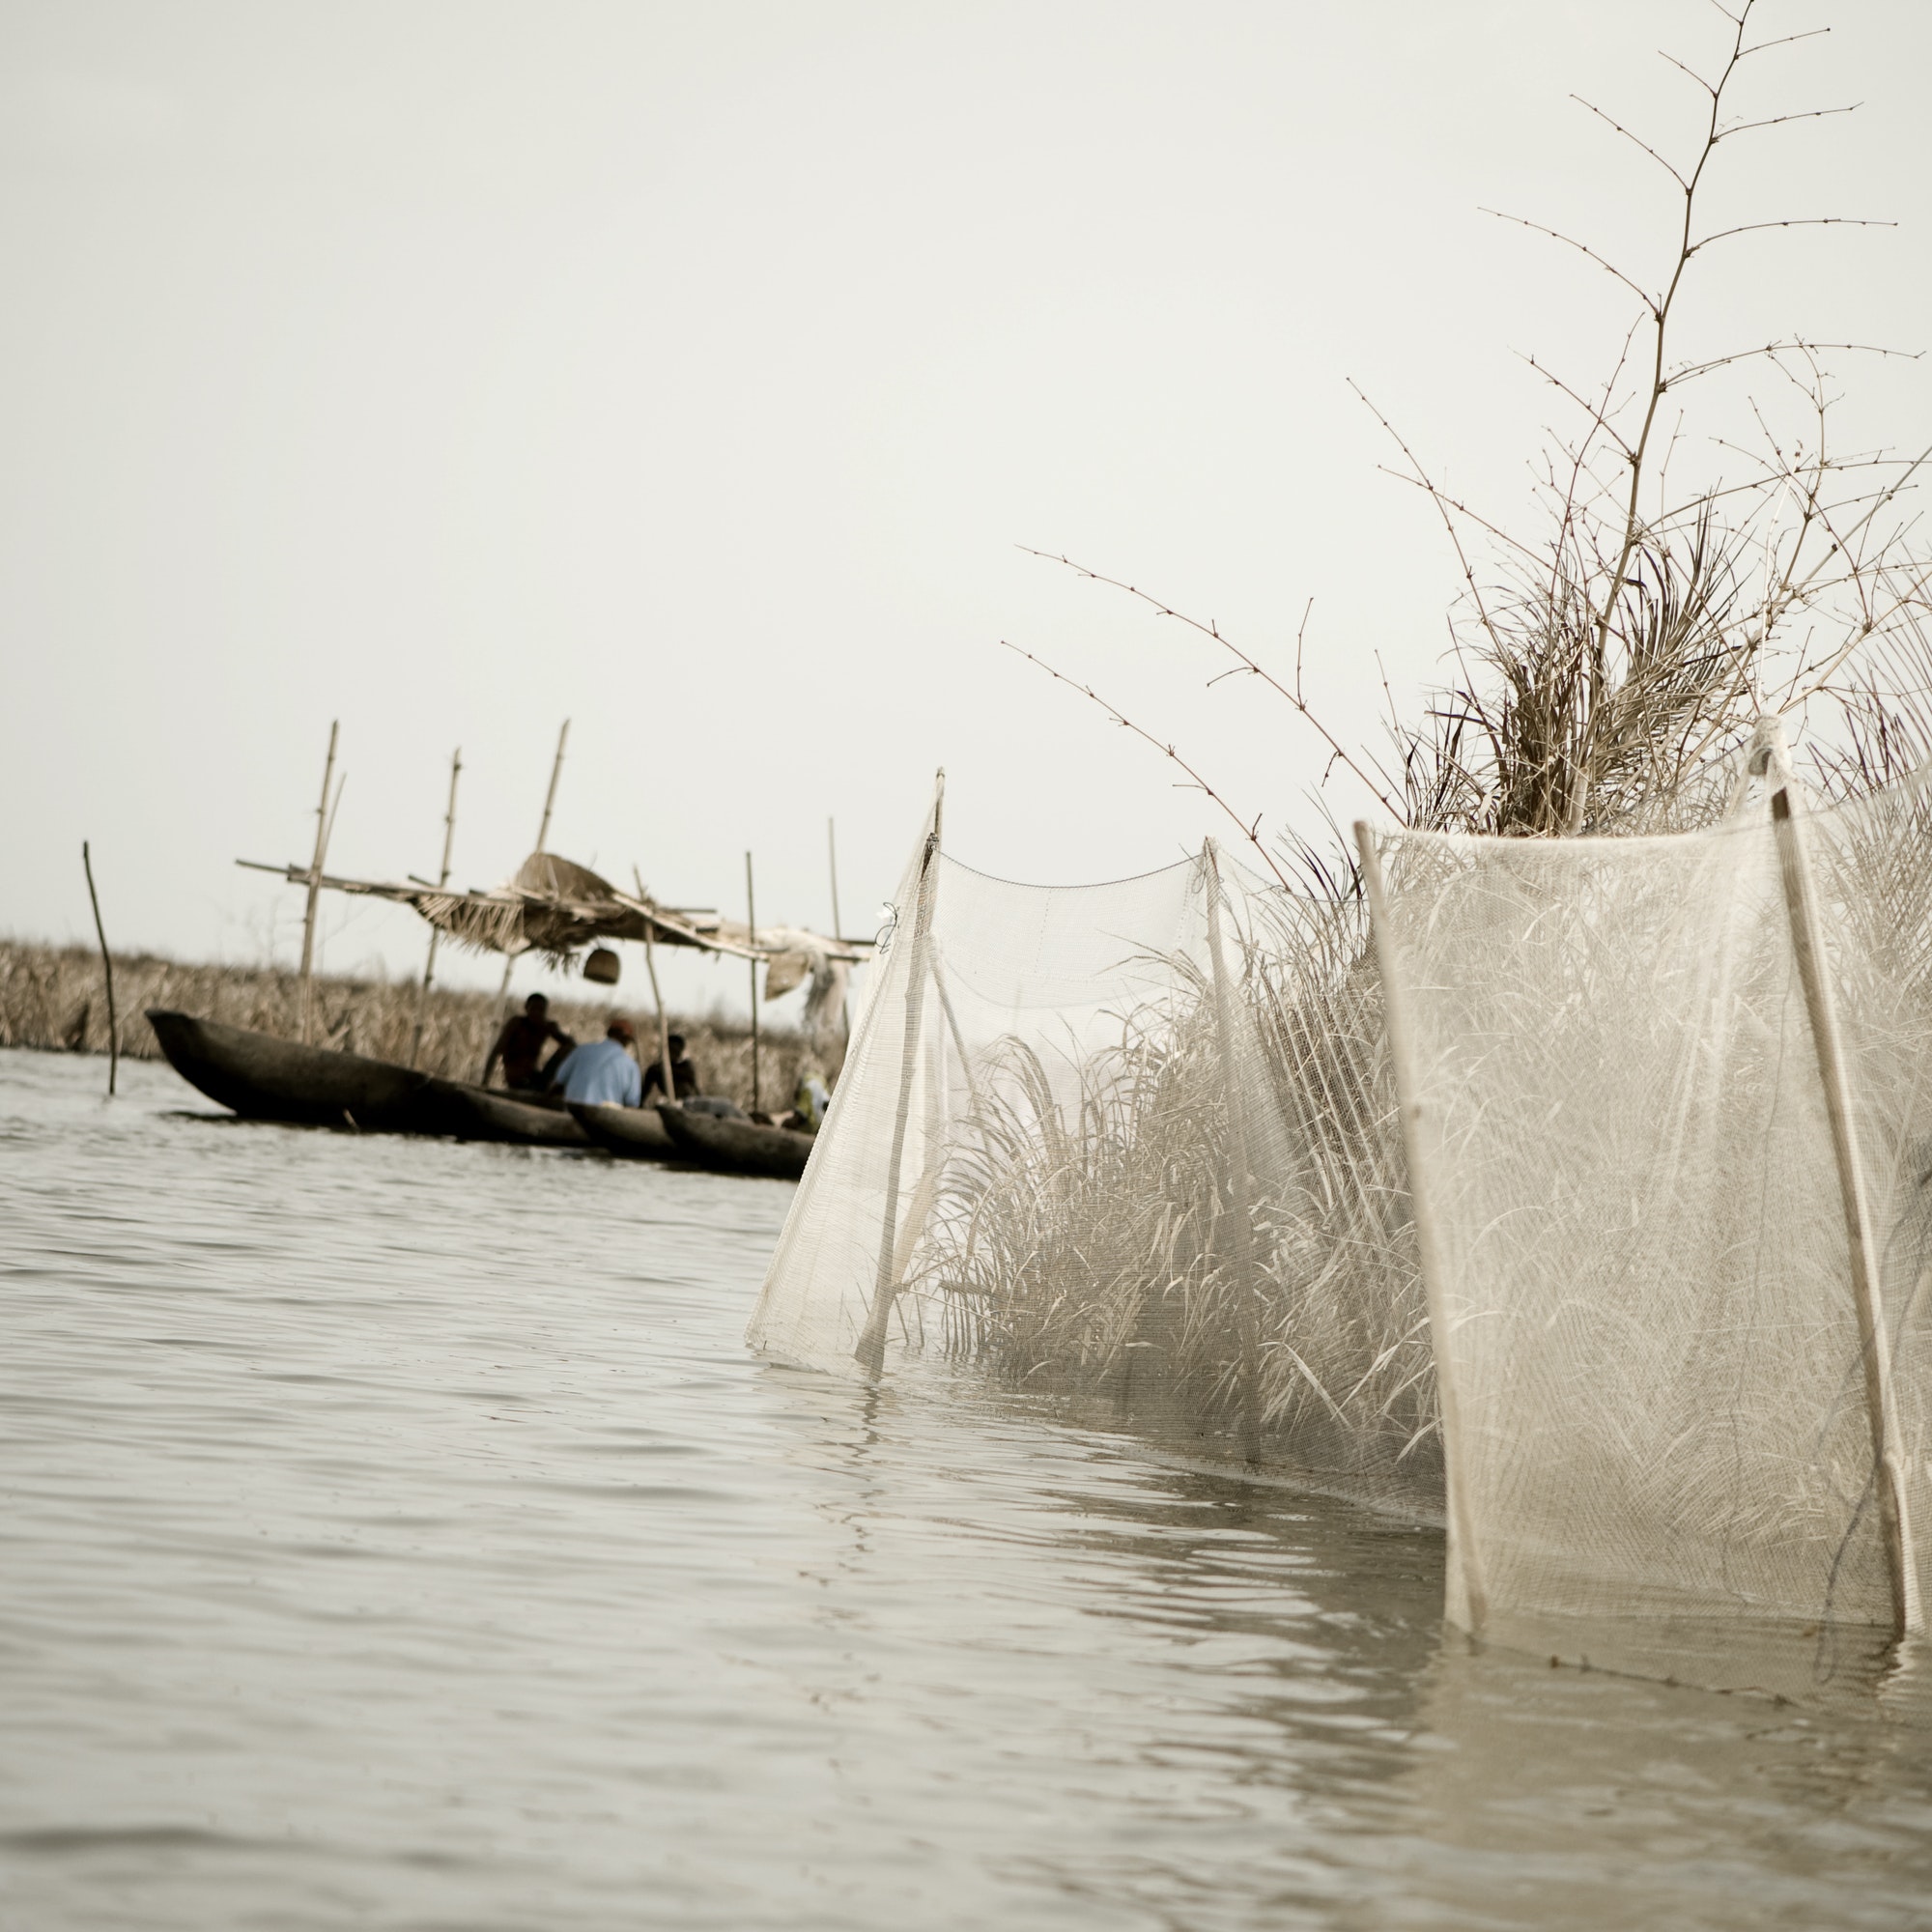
55 998
1086 1241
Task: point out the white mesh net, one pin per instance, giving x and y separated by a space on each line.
1139 1142
1639 1243
1067 1148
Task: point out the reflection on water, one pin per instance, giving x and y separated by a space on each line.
398 1535
1583 1799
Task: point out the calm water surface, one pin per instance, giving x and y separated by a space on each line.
397 1534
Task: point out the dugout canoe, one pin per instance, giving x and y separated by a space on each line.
466 1112
736 1147
631 1133
263 1078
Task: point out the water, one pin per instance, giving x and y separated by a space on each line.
398 1535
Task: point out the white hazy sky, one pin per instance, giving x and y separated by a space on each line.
694 371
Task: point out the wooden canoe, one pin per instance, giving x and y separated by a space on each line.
268 1079
736 1147
631 1133
471 1113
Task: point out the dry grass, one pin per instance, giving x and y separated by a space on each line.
55 998
1085 1237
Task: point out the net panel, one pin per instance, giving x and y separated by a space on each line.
1120 1175
1649 1337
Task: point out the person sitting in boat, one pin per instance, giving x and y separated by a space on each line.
603 1073
520 1046
683 1072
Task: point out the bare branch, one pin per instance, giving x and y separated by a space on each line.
1783 41
1649 300
1249 831
1247 662
1803 221
1691 74
1591 106
1597 412
1690 371
1781 120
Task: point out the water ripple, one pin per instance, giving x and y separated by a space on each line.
398 1535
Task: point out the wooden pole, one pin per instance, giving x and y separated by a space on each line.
1468 1597
550 797
752 924
838 928
870 1354
657 997
108 967
1874 1343
1242 1206
315 886
542 841
442 880
952 1018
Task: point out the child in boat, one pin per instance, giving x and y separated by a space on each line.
683 1072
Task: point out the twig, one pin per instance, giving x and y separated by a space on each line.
1250 830
1247 662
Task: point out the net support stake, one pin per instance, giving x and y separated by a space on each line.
657 1000
1467 1598
436 931
870 1354
952 1019
1241 1177
107 966
1874 1344
305 1001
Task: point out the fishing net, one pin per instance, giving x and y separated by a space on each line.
1127 1144
1669 1123
1639 1215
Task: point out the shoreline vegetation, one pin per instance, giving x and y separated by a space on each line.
54 999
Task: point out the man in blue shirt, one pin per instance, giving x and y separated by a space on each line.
602 1073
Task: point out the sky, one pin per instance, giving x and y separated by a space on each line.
702 375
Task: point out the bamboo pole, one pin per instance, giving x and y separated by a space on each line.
1242 1209
108 967
952 1018
838 928
751 925
315 887
550 797
657 997
870 1354
1874 1342
434 932
912 1223
542 841
1467 1597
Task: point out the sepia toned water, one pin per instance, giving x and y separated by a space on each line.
397 1534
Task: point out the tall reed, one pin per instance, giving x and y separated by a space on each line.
1084 1236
